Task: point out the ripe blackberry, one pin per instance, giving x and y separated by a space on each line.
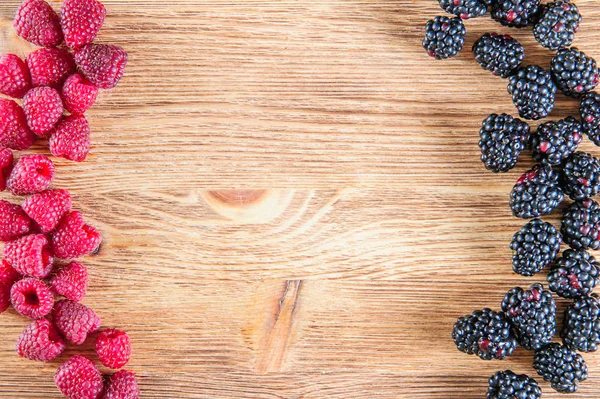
581 327
574 72
485 333
557 25
581 176
575 274
536 193
534 247
532 313
580 226
444 37
508 385
590 116
502 139
464 9
554 142
499 54
562 367
532 91
516 13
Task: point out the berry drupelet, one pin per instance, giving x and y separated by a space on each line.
532 313
580 226
485 333
534 247
557 25
561 366
508 385
574 72
581 176
536 193
499 54
590 116
554 142
575 274
516 13
533 92
464 9
581 327
502 139
444 37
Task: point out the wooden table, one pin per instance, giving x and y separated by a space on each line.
365 227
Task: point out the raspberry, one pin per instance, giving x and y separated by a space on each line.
6 163
103 65
8 275
30 255
31 174
71 139
4 298
50 67
15 79
31 298
47 208
43 108
113 348
75 321
79 378
14 223
73 238
71 281
14 132
37 23
122 385
79 94
40 341
81 20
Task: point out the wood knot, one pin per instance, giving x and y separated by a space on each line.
248 206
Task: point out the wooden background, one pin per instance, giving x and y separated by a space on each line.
368 225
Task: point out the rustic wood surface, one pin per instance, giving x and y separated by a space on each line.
366 227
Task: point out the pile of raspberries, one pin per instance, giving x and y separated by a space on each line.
40 275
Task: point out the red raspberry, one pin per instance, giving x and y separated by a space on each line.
50 67
15 79
31 298
113 348
73 238
71 281
31 174
37 23
14 222
14 132
43 108
79 378
6 164
47 208
4 298
40 341
103 65
30 255
71 139
81 20
122 385
8 275
79 94
75 321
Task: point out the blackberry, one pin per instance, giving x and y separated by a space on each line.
532 313
502 139
464 9
575 274
561 366
581 328
536 193
581 176
554 142
508 385
444 37
574 72
516 13
557 25
534 247
499 54
485 333
532 91
580 225
590 116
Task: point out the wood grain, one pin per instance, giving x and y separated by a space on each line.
365 227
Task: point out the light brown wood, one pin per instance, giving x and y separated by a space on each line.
372 228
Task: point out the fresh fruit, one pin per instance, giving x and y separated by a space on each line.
74 238
536 193
43 108
580 225
71 139
113 348
122 385
581 176
14 132
581 328
79 378
444 37
532 91
15 79
79 94
50 67
75 321
590 116
81 20
502 139
30 255
102 64
557 25
464 9
31 298
554 142
508 385
47 208
71 281
561 366
40 341
534 247
8 275
31 174
575 274
574 72
14 223
516 13
499 54
36 22
6 164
